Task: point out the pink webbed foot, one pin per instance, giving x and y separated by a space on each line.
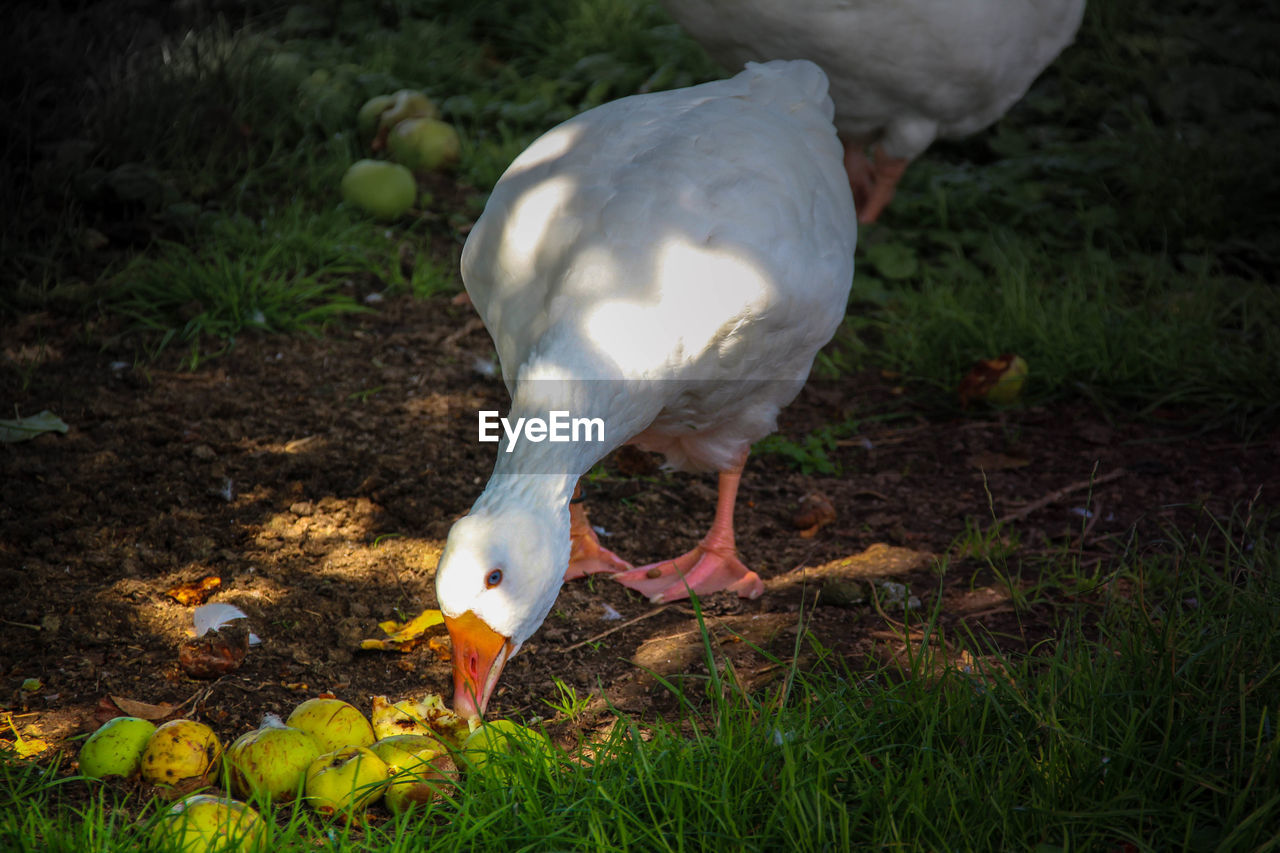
587 556
702 570
710 567
873 181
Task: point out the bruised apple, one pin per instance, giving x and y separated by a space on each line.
271 762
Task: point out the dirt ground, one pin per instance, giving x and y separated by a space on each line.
317 479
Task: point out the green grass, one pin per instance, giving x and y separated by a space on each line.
1150 719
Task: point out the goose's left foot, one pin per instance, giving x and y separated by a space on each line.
710 567
588 556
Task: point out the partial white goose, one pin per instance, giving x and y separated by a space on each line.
903 72
669 264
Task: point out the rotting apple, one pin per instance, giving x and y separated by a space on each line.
333 723
345 780
204 823
420 768
271 762
180 751
115 749
426 716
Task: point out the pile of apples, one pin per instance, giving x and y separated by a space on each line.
326 752
407 125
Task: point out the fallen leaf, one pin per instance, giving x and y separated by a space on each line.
145 710
815 512
404 636
990 461
194 592
441 646
24 429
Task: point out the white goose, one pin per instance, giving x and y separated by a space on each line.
670 264
903 72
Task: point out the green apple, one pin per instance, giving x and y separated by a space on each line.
345 780
116 748
405 104
180 751
424 144
385 190
503 737
204 824
333 723
370 114
420 767
271 762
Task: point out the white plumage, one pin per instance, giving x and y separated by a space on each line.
903 72
669 263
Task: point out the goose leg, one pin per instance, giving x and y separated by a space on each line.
710 567
588 556
886 171
861 175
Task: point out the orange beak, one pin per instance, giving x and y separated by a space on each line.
479 654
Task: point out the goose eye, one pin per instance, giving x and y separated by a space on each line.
494 578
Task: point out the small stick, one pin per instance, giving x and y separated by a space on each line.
1094 515
1053 497
475 324
604 634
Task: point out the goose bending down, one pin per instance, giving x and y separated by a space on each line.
665 266
903 72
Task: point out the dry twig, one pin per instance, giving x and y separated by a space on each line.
1055 496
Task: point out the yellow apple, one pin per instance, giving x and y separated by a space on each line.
271 762
333 723
180 751
204 824
420 767
346 780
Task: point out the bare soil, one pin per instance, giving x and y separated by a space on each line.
318 478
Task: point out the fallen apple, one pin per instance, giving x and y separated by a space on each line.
424 144
382 189
503 737
420 769
426 716
203 824
403 105
1008 385
995 380
115 749
369 114
333 723
180 751
271 762
346 780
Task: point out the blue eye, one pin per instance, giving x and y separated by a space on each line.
494 578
